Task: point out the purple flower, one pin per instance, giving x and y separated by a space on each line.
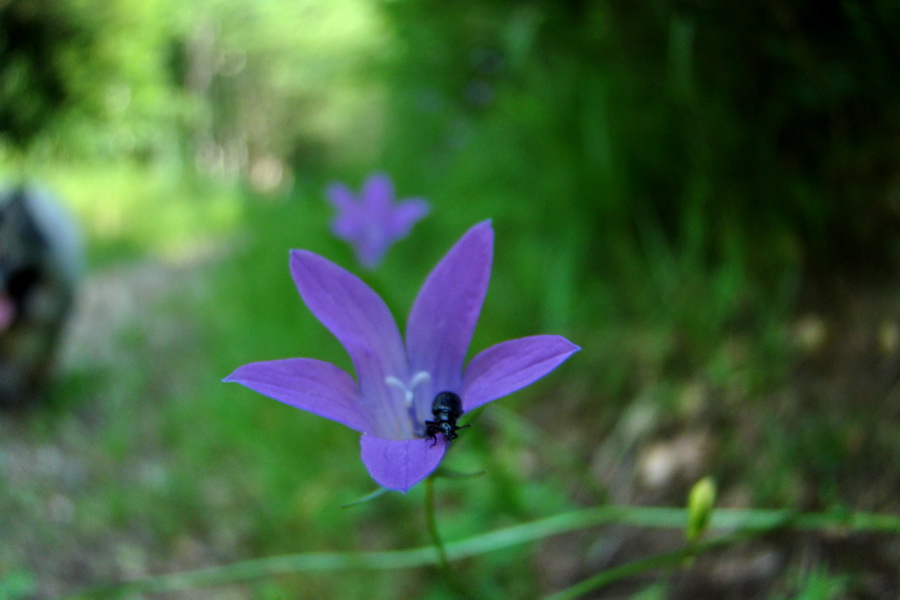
374 222
396 380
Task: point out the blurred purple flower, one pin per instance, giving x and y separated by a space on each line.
398 381
372 223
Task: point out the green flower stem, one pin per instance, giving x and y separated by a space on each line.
755 522
431 524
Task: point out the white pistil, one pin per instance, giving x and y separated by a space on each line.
408 390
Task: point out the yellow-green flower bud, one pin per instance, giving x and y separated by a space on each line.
700 506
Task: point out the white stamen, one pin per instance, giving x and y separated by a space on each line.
395 382
420 377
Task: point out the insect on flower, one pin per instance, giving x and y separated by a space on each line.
446 408
400 381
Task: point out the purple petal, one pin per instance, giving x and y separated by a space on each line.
400 464
406 214
346 224
308 384
510 366
378 194
361 321
340 196
444 314
371 248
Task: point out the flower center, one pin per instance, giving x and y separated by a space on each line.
408 389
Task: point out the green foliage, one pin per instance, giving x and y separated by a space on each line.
279 80
16 585
86 78
239 88
688 155
817 585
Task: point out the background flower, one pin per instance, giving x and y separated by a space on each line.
372 222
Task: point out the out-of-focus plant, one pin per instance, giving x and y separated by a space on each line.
372 222
236 89
683 151
82 78
737 526
701 501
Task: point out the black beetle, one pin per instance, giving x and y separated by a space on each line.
446 408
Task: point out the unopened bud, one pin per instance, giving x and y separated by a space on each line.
700 506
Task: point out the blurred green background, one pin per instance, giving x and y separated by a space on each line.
704 195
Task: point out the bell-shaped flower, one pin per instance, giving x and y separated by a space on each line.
397 380
374 221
